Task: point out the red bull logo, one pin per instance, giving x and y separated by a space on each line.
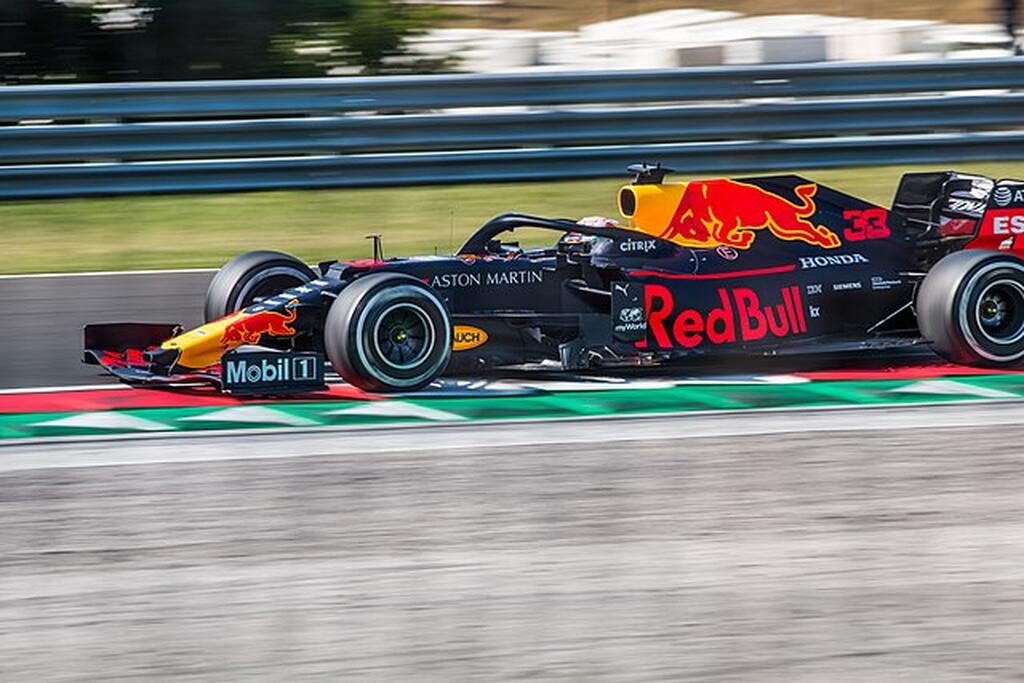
248 328
741 317
727 213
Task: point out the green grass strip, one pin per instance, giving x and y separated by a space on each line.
178 231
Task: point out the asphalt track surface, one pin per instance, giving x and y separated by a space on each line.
877 544
41 318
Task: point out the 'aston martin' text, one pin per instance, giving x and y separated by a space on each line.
511 277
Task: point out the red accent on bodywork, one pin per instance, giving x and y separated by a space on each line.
129 358
774 270
957 227
1000 229
365 263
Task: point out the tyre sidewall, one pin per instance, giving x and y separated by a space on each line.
947 303
987 350
351 325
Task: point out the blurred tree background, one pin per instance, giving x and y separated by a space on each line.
137 40
120 40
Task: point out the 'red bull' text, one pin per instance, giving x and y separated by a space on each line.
740 317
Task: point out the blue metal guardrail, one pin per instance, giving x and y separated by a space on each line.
72 140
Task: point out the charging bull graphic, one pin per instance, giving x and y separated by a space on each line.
716 213
204 346
247 328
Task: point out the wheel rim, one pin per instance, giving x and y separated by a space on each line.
403 336
999 312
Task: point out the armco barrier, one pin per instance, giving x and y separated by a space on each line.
332 95
508 165
559 128
210 136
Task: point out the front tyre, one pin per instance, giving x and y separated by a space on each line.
252 276
971 307
388 332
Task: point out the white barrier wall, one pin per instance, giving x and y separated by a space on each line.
696 37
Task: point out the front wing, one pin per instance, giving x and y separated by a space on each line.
131 352
121 349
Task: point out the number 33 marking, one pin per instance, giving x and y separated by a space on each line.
869 224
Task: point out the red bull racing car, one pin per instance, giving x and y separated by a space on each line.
765 266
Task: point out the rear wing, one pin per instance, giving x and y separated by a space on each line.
946 211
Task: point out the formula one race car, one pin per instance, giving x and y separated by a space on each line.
766 265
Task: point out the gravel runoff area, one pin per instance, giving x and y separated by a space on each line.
823 555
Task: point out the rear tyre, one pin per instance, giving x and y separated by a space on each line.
253 275
971 307
388 332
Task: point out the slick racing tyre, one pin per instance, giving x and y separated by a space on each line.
388 332
253 275
971 307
